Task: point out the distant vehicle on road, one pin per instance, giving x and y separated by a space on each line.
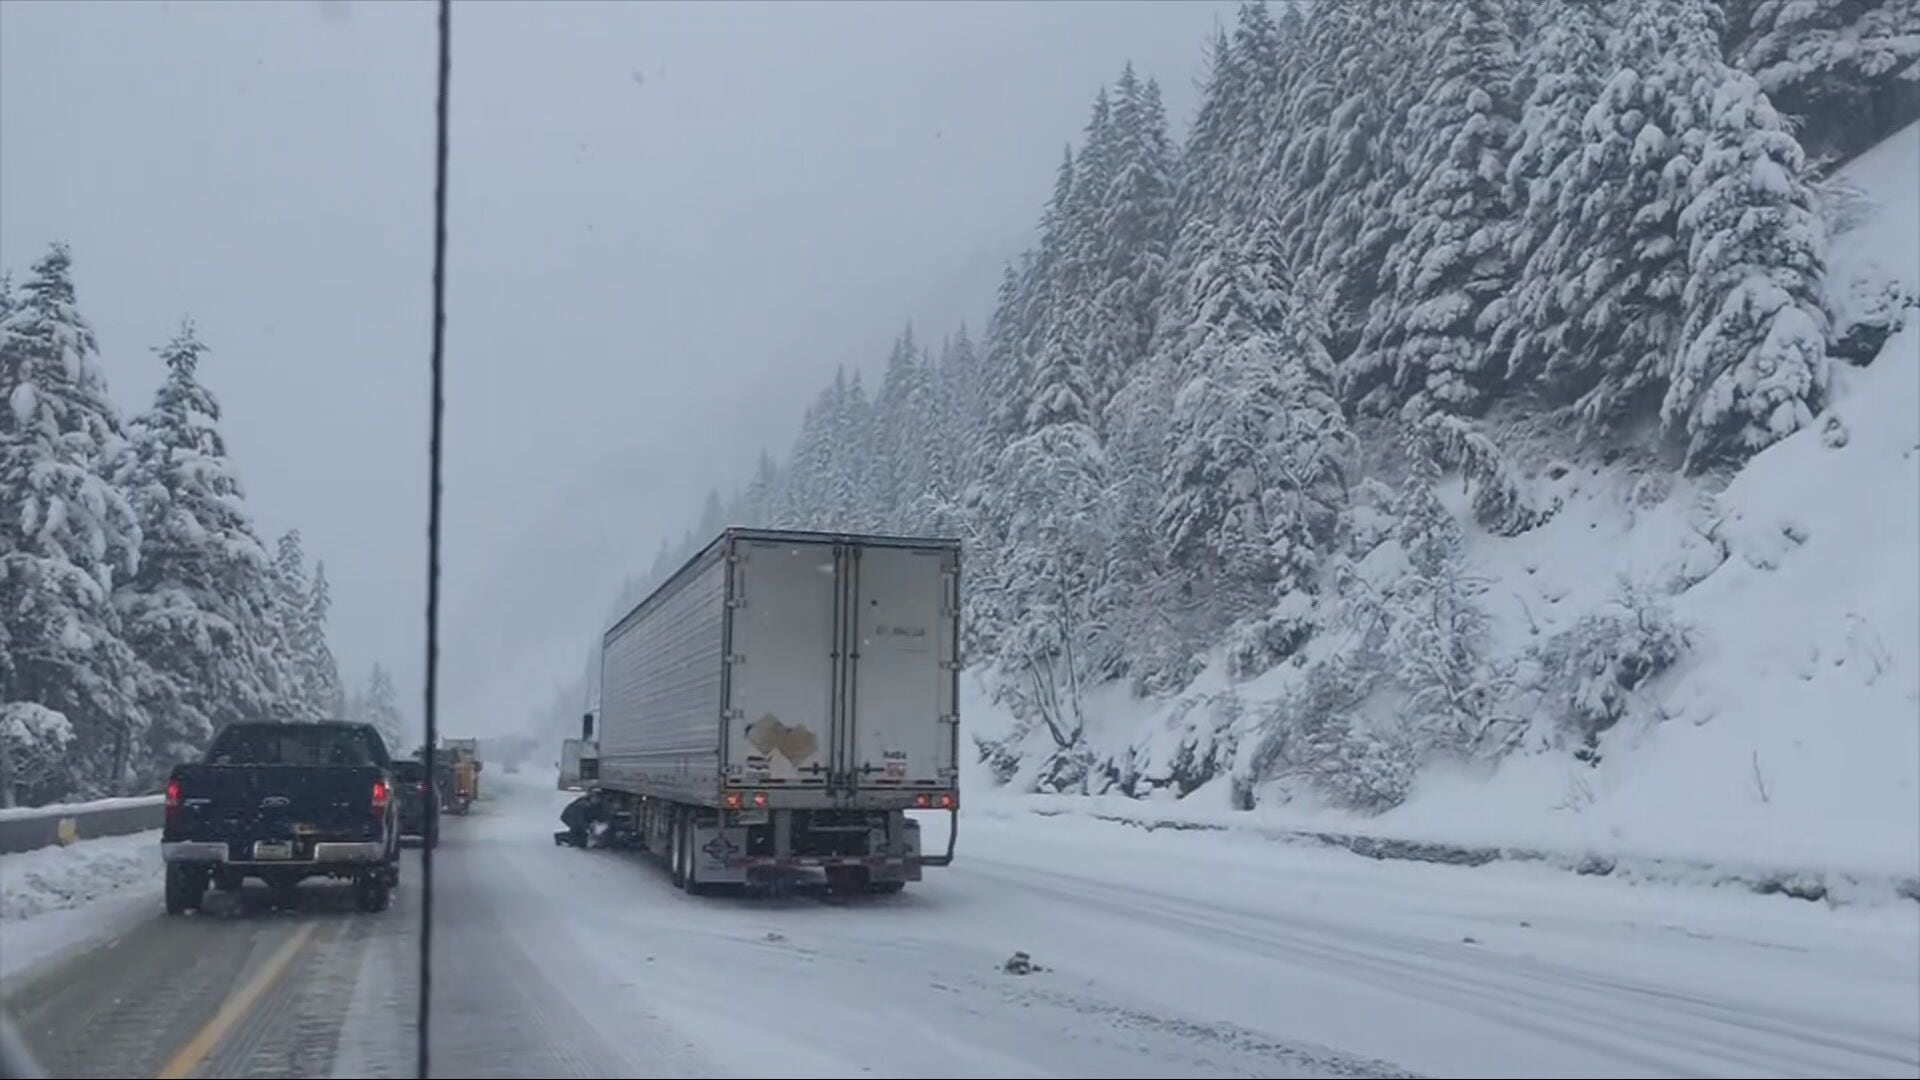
282 803
418 794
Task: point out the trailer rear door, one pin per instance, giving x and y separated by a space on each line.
781 666
902 706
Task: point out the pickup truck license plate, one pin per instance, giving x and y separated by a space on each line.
264 850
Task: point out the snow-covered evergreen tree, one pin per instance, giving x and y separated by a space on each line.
67 535
760 502
1848 70
1445 277
1753 366
200 608
322 675
1563 72
1134 230
376 703
1620 282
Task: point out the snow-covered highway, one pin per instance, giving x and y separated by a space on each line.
1160 954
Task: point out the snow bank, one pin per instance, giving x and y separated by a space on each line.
1787 739
56 899
33 883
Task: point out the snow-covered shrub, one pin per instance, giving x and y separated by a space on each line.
1436 633
1588 675
1310 734
1000 756
1257 644
33 744
1873 312
1501 502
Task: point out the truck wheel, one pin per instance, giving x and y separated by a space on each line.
371 891
186 888
677 841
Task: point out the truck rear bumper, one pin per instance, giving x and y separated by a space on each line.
325 853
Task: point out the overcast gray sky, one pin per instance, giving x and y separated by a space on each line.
669 223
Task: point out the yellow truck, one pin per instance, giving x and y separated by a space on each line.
463 757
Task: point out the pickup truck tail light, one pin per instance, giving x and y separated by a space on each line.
173 800
379 797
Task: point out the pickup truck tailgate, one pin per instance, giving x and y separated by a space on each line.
275 803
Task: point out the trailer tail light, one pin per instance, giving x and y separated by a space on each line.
760 800
922 801
733 800
173 800
379 797
946 800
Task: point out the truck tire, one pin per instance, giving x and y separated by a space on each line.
371 891
186 888
677 844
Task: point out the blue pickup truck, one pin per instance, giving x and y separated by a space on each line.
283 803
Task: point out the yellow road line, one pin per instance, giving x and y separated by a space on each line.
235 1008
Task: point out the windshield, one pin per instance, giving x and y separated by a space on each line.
1201 538
295 744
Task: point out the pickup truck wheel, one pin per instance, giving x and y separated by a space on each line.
371 891
186 888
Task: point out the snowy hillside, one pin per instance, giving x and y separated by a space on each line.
1492 424
1790 729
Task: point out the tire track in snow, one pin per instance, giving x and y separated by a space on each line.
1554 1001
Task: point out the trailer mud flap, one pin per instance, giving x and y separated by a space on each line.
717 852
953 836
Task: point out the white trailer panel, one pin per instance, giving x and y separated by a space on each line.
661 687
902 708
781 692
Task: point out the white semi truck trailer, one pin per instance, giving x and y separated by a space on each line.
787 700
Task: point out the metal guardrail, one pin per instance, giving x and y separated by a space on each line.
27 829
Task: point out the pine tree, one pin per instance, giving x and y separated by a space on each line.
849 501
759 503
322 678
378 704
940 421
805 497
712 517
894 472
1564 72
1444 278
304 694
1621 285
66 535
200 609
1847 70
1754 365
1135 213
1374 67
